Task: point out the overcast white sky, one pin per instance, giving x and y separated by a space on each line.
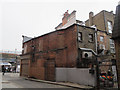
36 17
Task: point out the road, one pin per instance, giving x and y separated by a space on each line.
13 80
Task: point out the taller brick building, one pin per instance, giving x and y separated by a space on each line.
116 37
104 22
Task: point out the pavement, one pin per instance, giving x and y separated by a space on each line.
68 84
13 80
73 85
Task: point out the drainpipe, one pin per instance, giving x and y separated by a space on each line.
96 38
77 62
97 63
104 21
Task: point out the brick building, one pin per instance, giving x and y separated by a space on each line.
73 45
104 22
65 48
116 37
8 57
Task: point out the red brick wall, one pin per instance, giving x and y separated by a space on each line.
71 43
38 70
59 46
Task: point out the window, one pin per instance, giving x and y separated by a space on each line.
109 26
102 38
102 47
90 37
112 46
80 36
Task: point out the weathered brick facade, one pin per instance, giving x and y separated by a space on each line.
116 37
43 54
100 20
105 45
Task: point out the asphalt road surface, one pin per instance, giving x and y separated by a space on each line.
14 81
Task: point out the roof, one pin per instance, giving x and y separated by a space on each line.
58 25
60 30
25 38
101 12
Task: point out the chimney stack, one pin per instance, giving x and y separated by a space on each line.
91 14
64 19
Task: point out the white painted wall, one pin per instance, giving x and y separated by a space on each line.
75 75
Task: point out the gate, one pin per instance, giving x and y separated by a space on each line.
107 75
50 70
24 68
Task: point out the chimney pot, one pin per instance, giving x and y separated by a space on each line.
91 14
111 11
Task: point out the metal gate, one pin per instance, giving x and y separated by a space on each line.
107 75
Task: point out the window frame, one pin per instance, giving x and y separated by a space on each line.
101 38
80 38
112 46
109 26
90 38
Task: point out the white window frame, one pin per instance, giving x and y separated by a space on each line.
79 36
91 38
102 38
109 26
112 46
